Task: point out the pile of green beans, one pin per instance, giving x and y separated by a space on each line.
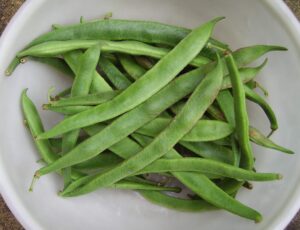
150 100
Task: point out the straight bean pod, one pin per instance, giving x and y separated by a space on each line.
241 116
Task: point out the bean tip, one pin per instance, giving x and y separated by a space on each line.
25 123
45 106
60 193
248 185
37 138
34 179
280 48
227 52
271 133
23 60
279 176
8 73
258 219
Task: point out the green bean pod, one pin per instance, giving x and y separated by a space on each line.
96 99
256 98
210 151
241 116
55 48
191 164
67 110
177 204
226 103
91 99
246 55
204 130
36 127
258 138
124 184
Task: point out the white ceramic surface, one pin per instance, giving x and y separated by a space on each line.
248 22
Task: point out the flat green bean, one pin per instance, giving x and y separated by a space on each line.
54 48
204 130
67 110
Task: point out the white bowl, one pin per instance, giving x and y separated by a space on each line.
247 23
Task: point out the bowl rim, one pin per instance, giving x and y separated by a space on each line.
285 215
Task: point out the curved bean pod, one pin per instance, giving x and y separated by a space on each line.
50 49
191 164
35 126
258 138
178 204
256 98
246 55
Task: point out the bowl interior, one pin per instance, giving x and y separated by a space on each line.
247 23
